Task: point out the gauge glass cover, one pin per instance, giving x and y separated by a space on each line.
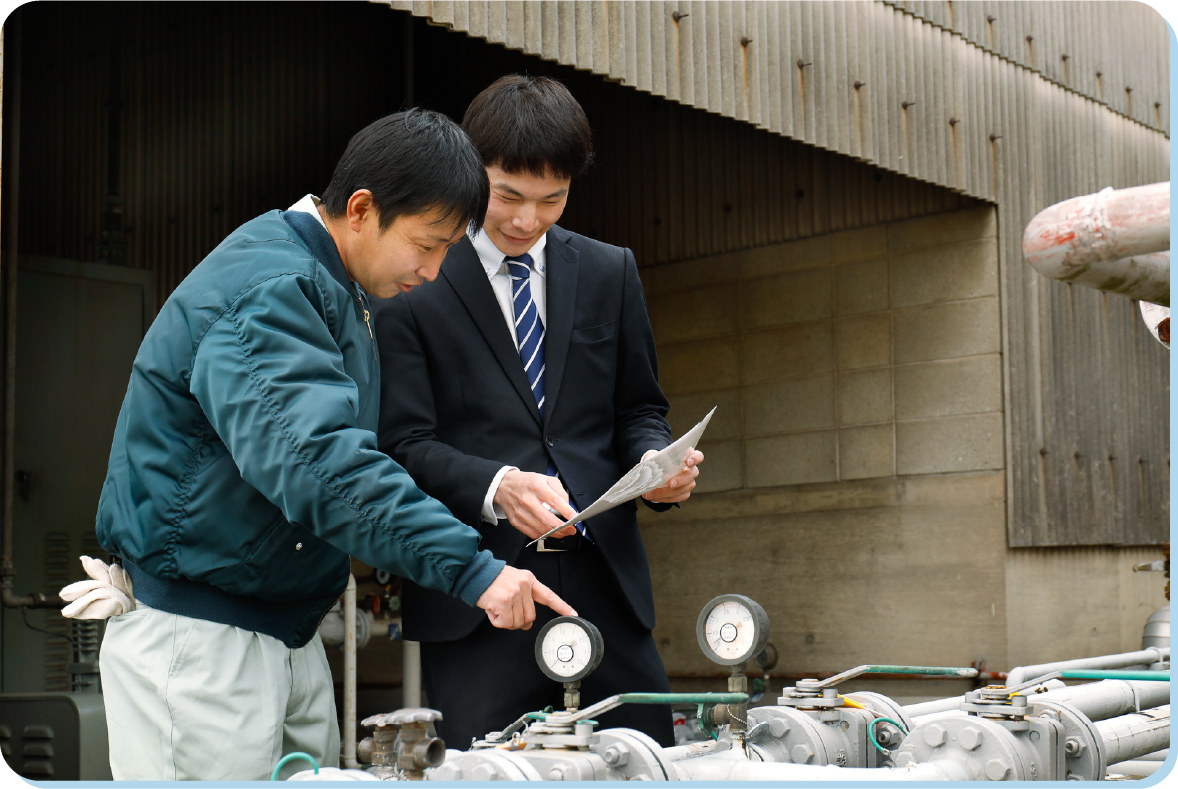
730 631
567 649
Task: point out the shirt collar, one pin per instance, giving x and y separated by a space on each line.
309 205
492 258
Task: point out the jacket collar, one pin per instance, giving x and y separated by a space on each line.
562 296
321 245
465 274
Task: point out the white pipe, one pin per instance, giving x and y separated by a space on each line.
695 749
1097 700
1137 768
1132 736
348 755
1144 657
716 768
1104 241
410 674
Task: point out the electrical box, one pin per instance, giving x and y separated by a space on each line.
55 736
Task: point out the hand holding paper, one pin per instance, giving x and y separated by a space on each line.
649 474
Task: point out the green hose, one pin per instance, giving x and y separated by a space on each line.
871 732
1155 676
295 755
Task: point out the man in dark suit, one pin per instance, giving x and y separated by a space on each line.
521 381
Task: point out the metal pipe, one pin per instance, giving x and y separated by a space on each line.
410 674
1138 768
717 768
348 754
1132 736
1102 240
1144 657
694 750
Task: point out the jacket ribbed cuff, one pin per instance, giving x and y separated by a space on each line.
477 576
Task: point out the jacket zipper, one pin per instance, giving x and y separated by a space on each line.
367 321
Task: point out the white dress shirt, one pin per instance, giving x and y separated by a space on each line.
309 205
492 260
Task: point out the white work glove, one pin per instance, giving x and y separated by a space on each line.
107 594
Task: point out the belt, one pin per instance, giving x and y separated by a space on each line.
554 544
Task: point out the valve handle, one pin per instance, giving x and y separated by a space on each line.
814 684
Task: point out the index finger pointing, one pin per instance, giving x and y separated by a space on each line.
545 596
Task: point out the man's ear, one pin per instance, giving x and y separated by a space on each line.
360 207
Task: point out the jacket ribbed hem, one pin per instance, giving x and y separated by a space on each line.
293 623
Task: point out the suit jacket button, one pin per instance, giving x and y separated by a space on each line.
548 440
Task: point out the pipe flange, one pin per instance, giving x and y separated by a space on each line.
1083 745
634 756
792 736
985 749
403 716
489 764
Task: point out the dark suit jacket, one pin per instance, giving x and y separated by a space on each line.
456 405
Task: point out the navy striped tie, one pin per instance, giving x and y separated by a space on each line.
529 333
529 329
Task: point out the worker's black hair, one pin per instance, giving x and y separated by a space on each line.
412 162
533 125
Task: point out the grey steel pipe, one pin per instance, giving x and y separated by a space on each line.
1137 768
1110 698
348 751
694 750
1144 657
718 768
1105 241
1132 736
410 674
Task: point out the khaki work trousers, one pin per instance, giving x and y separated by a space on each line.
188 699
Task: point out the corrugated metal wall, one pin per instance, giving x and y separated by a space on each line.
946 97
1079 45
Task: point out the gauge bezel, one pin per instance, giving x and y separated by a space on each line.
596 648
760 629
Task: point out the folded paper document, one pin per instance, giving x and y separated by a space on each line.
651 473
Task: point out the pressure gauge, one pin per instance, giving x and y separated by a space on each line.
569 648
732 629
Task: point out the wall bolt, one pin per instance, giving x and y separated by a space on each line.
1030 39
745 41
953 121
1099 74
1111 458
1157 105
803 64
1064 57
677 15
1128 89
995 137
906 104
991 19
1077 456
859 84
1044 452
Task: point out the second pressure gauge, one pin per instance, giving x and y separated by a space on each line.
732 629
568 648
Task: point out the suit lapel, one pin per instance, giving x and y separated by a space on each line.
561 299
467 276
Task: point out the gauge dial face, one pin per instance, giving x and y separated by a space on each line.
568 648
732 629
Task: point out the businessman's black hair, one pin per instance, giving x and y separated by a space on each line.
412 162
533 125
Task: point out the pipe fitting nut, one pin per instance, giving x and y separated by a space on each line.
616 755
802 753
563 772
778 728
934 735
1073 747
969 738
997 770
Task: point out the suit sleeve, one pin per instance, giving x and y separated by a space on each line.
409 419
640 408
271 381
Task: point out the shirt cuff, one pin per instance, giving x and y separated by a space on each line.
483 569
492 512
